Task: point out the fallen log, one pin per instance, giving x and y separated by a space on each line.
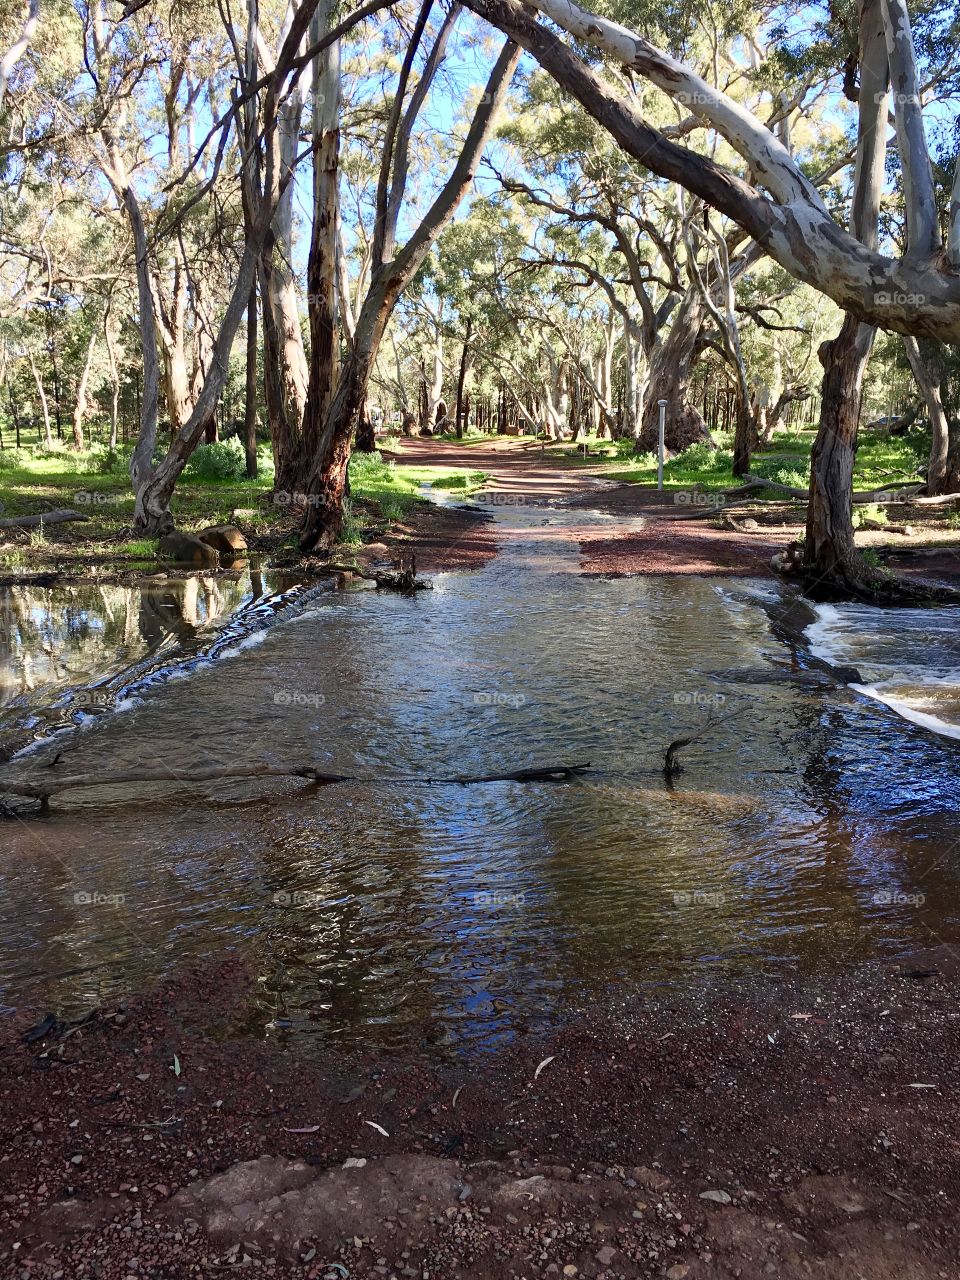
908 491
61 516
937 500
42 788
403 579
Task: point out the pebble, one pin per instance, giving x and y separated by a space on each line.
718 1197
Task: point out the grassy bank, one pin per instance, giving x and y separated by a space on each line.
212 490
881 459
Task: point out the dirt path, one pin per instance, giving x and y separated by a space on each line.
677 532
648 533
793 1129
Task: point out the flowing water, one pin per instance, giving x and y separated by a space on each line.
812 825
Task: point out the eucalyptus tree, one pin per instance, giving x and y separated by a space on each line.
393 268
916 292
18 45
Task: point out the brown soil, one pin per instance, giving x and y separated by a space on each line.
791 1129
441 539
676 532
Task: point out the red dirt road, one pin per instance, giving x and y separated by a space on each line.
649 532
792 1129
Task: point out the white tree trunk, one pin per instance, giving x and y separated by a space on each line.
44 404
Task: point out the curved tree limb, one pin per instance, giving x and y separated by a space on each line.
906 295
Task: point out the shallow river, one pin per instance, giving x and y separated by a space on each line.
813 825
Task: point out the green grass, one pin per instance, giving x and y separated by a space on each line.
880 460
379 480
96 483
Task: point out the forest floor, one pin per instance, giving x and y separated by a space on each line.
794 1128
685 529
691 527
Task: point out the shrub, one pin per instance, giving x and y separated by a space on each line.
869 511
101 460
368 466
13 459
224 460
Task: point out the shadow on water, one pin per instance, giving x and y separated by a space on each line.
811 826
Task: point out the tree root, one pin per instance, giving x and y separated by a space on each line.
862 584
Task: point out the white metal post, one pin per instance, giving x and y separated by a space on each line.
663 420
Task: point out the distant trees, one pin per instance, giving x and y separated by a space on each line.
776 203
647 228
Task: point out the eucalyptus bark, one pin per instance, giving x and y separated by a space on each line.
286 371
466 359
44 403
111 345
80 404
831 562
323 517
937 477
250 389
669 379
322 260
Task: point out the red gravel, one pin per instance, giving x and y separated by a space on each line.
654 535
670 540
442 539
793 1103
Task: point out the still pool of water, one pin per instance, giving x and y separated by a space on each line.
812 826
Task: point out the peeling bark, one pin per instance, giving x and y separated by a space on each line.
937 478
323 517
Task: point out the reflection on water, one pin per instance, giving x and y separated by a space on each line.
810 828
72 652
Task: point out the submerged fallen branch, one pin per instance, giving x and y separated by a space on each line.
61 516
404 579
43 788
671 760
